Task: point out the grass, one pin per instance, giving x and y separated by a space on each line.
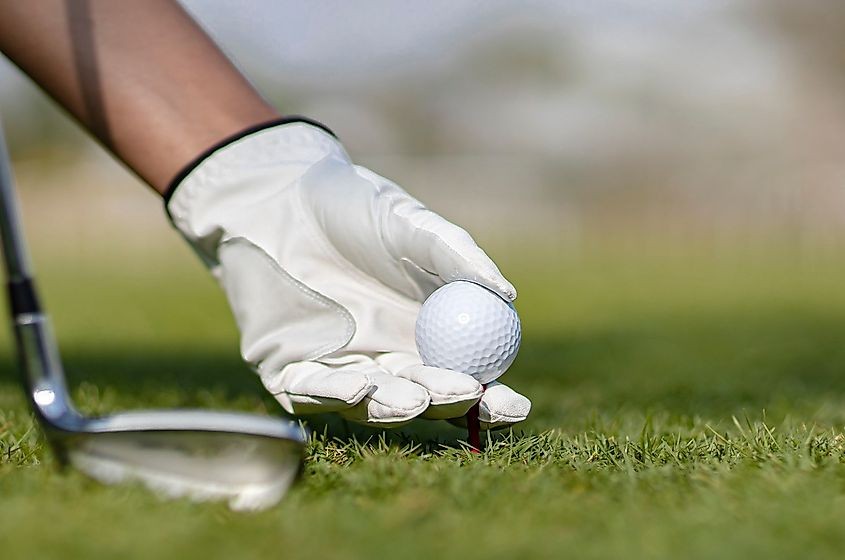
687 404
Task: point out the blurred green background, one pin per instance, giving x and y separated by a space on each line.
663 184
564 124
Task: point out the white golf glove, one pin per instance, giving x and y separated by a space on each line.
325 265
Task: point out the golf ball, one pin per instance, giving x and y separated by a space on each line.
467 328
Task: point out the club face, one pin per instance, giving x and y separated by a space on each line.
248 461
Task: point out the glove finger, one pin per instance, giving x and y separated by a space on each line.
499 407
311 387
438 246
429 249
393 402
452 394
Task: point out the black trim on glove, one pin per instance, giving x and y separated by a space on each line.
171 188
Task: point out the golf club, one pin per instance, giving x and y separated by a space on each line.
250 461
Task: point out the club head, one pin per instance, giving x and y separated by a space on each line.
249 461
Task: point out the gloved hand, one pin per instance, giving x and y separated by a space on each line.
325 265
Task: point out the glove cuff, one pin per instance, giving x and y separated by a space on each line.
197 161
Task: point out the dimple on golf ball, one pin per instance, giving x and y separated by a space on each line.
467 328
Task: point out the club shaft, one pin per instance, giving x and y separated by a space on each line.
15 254
37 350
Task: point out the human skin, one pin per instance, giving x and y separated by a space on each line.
142 77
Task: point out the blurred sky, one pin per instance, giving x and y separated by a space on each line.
525 77
709 117
344 41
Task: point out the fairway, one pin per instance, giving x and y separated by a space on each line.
687 404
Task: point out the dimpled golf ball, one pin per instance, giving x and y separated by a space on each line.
467 328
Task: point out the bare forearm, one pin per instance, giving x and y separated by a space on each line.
141 76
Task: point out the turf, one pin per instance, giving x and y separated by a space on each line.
687 404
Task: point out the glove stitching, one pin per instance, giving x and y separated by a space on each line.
313 295
452 398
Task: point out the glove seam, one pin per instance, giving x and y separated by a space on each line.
313 295
452 398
